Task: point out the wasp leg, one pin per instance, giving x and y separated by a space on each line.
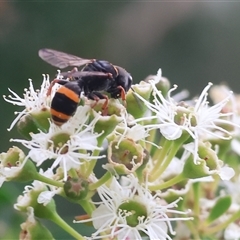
59 81
123 95
69 74
96 96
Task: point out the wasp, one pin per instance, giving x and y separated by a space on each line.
96 77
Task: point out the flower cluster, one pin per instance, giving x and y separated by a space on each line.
170 164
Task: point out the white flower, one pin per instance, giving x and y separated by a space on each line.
46 196
232 188
155 78
30 222
136 133
44 192
232 232
199 120
235 144
11 170
25 200
32 101
129 209
66 144
225 172
30 213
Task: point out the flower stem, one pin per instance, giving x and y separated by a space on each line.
196 193
73 173
90 168
194 231
166 146
87 206
223 225
167 184
160 154
60 222
47 180
101 181
93 162
192 225
153 137
169 150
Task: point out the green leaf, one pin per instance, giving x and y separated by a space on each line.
220 208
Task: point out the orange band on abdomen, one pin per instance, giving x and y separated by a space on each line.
69 93
59 114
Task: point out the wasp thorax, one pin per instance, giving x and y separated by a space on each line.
59 142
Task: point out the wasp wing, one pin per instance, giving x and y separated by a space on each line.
84 74
61 59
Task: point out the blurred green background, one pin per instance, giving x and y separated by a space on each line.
193 43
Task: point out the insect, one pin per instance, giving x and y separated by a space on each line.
95 77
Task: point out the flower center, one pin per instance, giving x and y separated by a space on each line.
185 116
133 212
59 142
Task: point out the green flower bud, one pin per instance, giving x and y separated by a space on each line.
135 106
192 170
105 124
179 190
208 164
163 85
41 118
30 199
31 123
113 107
27 125
125 157
76 188
208 155
139 171
32 229
15 167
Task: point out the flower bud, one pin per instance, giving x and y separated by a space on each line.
32 229
27 125
192 170
178 190
105 124
208 164
15 167
41 118
30 199
76 188
135 106
139 171
114 107
163 85
125 157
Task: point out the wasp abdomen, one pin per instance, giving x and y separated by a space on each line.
64 104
